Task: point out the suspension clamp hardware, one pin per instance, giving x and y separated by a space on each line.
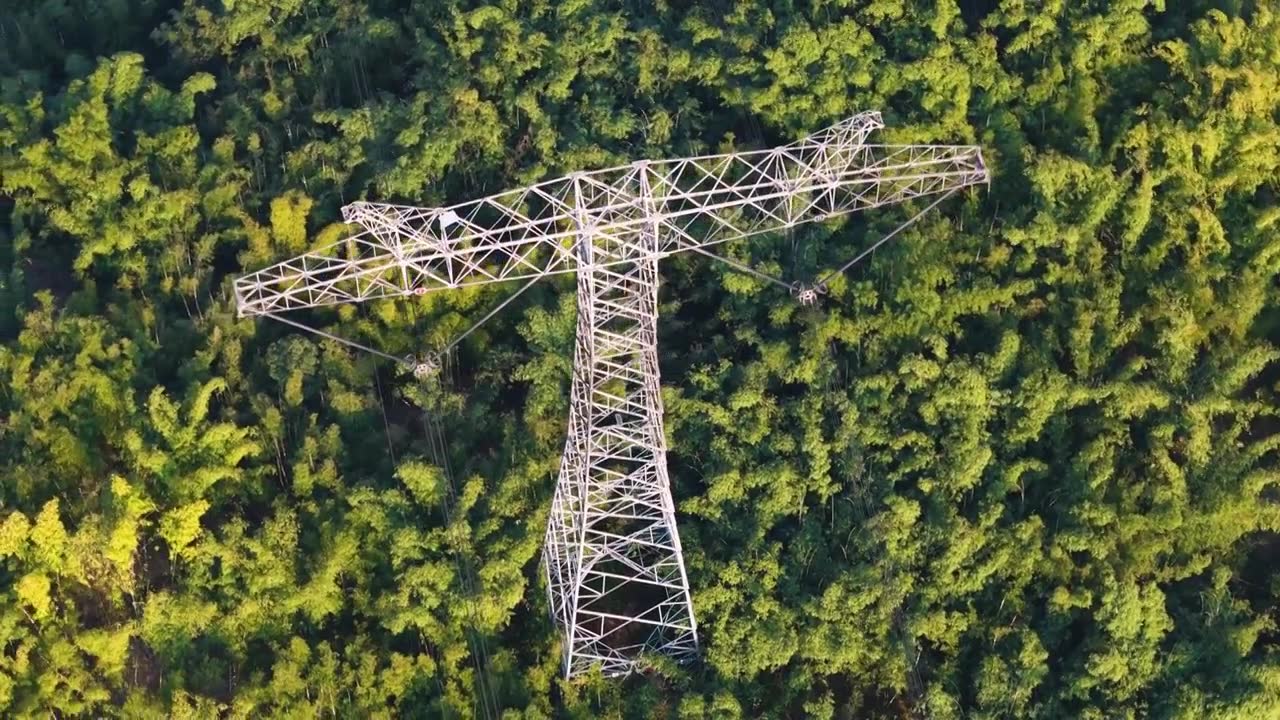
425 366
808 294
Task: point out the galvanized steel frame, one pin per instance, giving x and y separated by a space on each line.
615 571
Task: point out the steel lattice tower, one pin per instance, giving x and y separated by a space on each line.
615 571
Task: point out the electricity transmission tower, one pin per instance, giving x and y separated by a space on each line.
614 567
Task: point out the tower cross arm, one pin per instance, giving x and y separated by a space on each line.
540 229
706 201
402 250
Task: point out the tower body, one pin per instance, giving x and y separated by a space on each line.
615 572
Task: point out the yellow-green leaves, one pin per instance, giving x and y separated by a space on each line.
130 505
425 482
186 453
292 361
49 538
34 591
171 621
181 526
289 222
14 534
109 648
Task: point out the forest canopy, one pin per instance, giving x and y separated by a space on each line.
1024 461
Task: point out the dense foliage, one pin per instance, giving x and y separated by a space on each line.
1024 462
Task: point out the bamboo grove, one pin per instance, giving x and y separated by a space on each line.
1022 462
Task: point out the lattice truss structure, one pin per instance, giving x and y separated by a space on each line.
615 572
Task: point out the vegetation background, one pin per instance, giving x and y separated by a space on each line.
1024 462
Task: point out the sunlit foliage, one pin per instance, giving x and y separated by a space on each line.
1023 462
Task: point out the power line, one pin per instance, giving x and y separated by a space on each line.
335 338
883 240
466 572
